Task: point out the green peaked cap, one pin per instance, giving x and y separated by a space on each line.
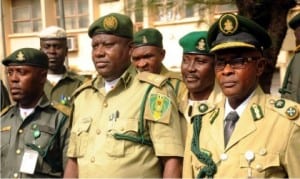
148 37
113 23
27 56
235 31
195 42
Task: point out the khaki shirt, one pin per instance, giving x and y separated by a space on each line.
98 115
62 91
269 128
17 134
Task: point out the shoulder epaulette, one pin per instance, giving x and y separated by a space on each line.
175 75
154 79
200 109
6 109
284 107
86 84
62 108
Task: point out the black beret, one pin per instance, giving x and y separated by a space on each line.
233 31
148 36
27 56
295 21
113 23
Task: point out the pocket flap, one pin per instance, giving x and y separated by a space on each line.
83 125
261 162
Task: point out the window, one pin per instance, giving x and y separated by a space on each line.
134 9
170 10
26 16
76 14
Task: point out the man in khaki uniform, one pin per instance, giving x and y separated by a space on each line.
249 133
197 69
34 132
61 83
148 54
131 125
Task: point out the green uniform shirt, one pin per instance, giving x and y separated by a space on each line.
291 84
62 91
92 142
16 134
269 129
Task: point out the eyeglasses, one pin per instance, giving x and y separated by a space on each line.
235 63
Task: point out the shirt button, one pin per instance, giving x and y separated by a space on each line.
16 175
98 131
93 159
259 167
224 157
105 104
262 152
18 151
20 131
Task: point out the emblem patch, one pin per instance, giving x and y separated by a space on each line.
279 103
228 24
159 105
20 56
201 44
110 23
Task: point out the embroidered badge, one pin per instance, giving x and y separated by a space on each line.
145 40
256 112
110 23
228 24
20 56
201 44
159 105
279 103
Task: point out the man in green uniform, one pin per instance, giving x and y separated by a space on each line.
291 83
5 101
148 54
33 132
237 138
197 69
131 127
61 83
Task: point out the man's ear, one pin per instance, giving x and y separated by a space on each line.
261 64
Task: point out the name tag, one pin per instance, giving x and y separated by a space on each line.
29 161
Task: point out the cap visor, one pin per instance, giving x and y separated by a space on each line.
227 45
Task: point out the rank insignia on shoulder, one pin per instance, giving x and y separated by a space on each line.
159 105
292 112
280 103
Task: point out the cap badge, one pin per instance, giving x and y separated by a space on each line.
228 24
201 44
20 56
110 23
145 40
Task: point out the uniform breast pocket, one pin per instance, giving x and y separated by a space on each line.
82 131
127 131
42 135
263 165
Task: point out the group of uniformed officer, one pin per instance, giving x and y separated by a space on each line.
137 119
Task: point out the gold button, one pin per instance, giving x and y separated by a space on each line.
262 152
105 104
18 151
16 175
20 131
98 131
93 159
259 167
